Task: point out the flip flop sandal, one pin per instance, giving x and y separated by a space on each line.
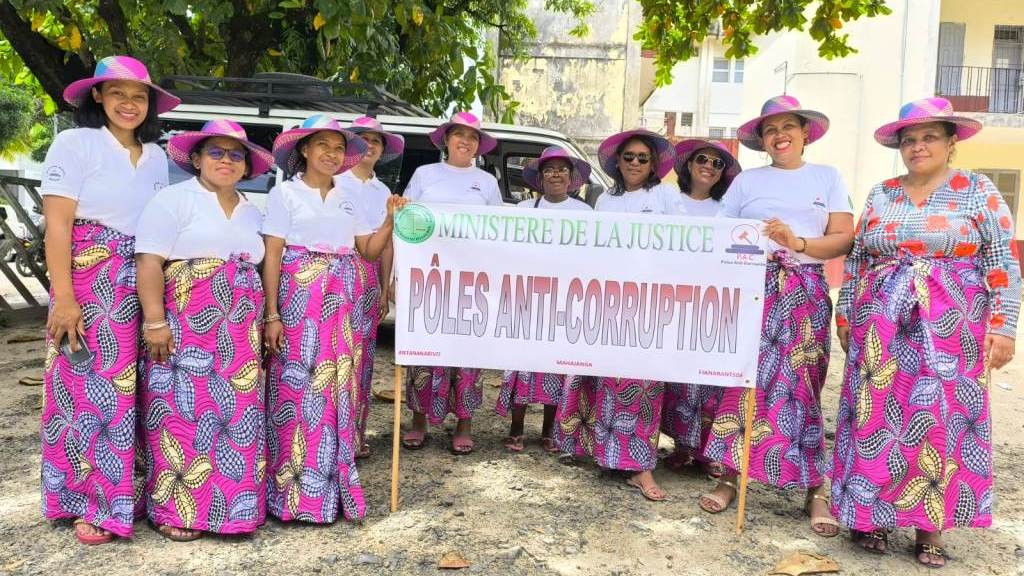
364 452
414 439
723 505
462 445
165 530
873 537
30 381
921 548
90 539
817 521
645 491
513 443
549 445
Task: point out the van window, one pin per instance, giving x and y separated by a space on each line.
517 189
261 134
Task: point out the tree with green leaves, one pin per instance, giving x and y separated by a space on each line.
432 53
17 113
675 29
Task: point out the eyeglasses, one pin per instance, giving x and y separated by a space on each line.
927 140
218 153
702 159
556 171
641 157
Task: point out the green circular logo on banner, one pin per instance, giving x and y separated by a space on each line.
414 223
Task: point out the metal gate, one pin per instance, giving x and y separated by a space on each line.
26 271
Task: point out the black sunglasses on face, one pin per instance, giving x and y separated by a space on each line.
217 153
641 157
702 159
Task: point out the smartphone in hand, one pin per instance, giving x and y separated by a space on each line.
82 357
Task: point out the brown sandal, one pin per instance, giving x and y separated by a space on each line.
818 521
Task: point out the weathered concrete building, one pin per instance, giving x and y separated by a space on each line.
586 88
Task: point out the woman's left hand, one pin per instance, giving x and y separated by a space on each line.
998 350
780 233
395 203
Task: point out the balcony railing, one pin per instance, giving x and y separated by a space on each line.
976 89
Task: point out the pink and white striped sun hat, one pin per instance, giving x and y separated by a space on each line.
487 142
394 144
817 123
119 68
287 157
665 154
687 148
180 146
922 112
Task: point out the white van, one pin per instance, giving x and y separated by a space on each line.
270 103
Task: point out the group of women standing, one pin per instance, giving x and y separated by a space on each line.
225 297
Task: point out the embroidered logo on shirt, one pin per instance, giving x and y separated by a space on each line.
819 202
348 207
54 174
475 187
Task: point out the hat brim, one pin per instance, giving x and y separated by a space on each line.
394 144
817 126
888 135
180 146
79 90
287 157
687 148
580 172
487 142
666 153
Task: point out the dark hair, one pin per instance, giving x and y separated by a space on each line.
652 179
803 122
201 145
300 160
718 190
90 114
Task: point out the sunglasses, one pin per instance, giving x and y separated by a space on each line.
218 153
703 159
642 157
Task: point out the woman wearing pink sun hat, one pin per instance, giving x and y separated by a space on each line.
929 305
616 420
808 220
434 392
97 178
200 388
315 282
369 196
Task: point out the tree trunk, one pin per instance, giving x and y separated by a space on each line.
45 60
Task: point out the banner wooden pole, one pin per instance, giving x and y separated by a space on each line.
745 462
395 439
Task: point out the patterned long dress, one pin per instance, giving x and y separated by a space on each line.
787 442
441 390
687 415
313 390
368 320
88 426
203 408
924 284
520 388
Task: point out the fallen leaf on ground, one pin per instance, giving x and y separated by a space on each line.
452 561
799 563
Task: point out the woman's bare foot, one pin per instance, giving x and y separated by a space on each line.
929 550
721 497
644 481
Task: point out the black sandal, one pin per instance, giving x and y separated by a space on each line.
875 536
932 549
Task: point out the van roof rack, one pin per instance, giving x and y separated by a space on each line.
290 91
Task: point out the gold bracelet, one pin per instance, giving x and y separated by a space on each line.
272 318
154 325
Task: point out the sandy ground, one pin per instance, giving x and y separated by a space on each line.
507 514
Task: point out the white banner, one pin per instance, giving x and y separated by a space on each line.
669 298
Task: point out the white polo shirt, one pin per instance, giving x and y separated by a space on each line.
370 197
443 183
569 203
692 207
660 199
89 166
802 198
296 213
185 221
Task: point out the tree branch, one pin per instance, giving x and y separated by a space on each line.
45 60
187 34
110 11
